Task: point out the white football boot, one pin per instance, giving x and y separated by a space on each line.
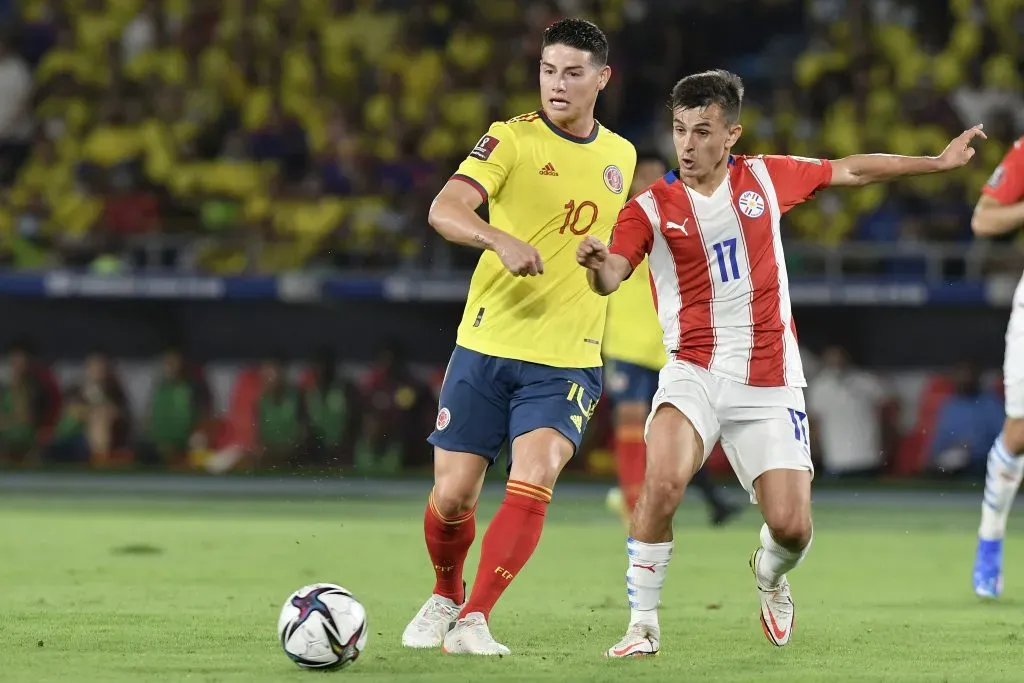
470 636
431 623
640 641
778 614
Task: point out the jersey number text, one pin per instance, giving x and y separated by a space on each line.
723 248
585 212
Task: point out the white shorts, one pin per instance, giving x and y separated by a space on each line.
761 428
1013 359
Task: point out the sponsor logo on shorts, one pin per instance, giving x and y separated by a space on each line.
444 418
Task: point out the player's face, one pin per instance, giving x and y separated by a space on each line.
646 174
702 139
569 83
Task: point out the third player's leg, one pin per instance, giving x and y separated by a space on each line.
1005 467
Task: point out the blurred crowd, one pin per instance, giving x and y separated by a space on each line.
276 414
237 136
324 416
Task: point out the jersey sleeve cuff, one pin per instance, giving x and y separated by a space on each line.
473 182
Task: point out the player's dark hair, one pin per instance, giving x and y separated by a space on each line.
580 34
701 90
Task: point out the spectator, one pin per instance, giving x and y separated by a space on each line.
398 412
280 417
179 408
332 407
967 424
23 408
15 112
845 409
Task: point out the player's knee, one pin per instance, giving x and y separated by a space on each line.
452 500
1013 435
791 528
664 494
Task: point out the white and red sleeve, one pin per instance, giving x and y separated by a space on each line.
1006 185
796 179
633 235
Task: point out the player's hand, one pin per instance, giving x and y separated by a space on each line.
592 253
518 257
959 152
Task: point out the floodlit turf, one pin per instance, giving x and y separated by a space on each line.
128 590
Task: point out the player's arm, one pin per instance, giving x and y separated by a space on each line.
453 215
1000 208
632 237
481 175
863 169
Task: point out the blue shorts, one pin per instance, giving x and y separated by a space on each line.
486 402
630 383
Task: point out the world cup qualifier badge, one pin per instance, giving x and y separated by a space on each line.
613 179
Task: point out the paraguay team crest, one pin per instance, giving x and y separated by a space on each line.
751 204
613 179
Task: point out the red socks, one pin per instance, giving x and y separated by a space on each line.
448 541
631 462
509 542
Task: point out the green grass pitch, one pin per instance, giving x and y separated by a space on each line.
110 590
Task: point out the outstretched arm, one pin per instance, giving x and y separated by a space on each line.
863 169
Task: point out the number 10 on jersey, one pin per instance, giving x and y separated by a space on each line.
579 218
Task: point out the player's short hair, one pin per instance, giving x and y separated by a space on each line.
581 35
718 86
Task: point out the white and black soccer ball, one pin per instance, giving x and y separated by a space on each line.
322 626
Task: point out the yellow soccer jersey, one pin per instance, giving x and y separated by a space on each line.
633 333
549 189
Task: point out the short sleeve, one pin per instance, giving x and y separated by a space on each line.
633 235
1006 184
796 179
490 161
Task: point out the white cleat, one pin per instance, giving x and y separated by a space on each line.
470 636
431 623
640 641
778 614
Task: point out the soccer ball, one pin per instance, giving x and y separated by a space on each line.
322 626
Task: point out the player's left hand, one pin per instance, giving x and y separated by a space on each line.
591 253
959 151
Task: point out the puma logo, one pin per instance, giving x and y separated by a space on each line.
677 226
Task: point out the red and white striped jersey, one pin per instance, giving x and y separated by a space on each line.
718 272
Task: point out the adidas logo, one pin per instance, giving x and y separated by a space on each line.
548 169
577 420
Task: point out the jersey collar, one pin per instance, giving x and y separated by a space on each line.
568 136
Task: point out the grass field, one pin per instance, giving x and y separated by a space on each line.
110 590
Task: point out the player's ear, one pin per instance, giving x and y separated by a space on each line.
734 134
603 76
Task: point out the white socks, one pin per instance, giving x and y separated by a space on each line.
645 576
1002 479
775 562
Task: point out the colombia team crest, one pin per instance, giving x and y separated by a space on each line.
613 179
751 204
444 418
